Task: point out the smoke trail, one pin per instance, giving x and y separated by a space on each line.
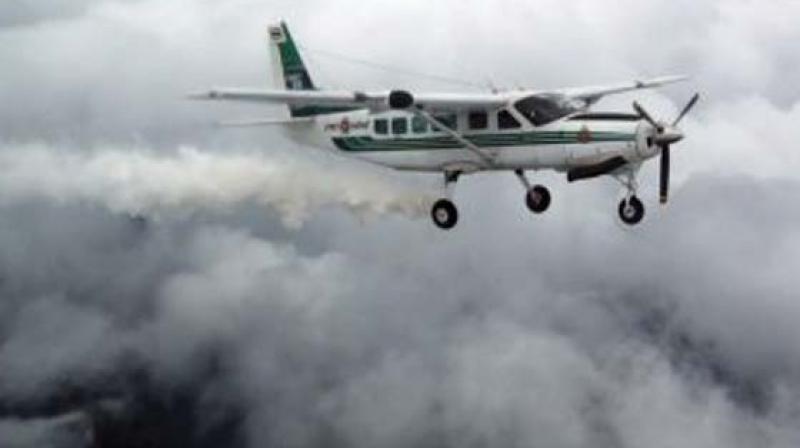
144 182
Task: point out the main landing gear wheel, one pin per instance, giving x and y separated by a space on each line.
538 199
444 214
631 211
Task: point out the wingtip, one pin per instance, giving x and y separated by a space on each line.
661 81
675 78
205 95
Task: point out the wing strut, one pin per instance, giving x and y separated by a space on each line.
487 159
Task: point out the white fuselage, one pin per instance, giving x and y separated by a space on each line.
401 140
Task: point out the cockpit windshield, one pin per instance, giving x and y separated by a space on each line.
543 109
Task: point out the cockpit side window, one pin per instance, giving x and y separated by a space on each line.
507 121
541 110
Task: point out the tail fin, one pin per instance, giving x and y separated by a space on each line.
290 71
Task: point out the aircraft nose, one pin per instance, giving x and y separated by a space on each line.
669 136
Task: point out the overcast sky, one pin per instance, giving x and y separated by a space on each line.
274 295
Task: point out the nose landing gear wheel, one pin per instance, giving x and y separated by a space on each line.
444 214
538 199
631 211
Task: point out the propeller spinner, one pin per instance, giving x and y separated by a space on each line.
666 135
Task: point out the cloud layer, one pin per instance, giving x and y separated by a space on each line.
219 320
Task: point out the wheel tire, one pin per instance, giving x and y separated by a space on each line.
631 211
538 199
444 214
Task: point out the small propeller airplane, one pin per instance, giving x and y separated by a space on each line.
458 134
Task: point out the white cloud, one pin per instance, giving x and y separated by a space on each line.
562 330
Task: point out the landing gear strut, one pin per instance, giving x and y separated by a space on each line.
444 212
537 197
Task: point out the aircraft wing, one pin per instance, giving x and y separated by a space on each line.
380 101
293 97
265 122
592 94
375 101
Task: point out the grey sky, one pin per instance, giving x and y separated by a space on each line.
31 12
558 331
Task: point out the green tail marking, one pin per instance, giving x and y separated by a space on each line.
296 75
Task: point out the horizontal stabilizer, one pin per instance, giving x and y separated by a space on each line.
265 122
596 170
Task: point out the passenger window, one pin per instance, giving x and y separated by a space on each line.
507 121
478 120
449 120
399 125
419 125
381 126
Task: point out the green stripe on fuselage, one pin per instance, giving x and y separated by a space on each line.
508 139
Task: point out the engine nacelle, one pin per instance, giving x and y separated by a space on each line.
645 146
400 99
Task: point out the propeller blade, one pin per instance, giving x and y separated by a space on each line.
643 113
664 179
686 109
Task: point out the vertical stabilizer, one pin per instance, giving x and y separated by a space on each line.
289 71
